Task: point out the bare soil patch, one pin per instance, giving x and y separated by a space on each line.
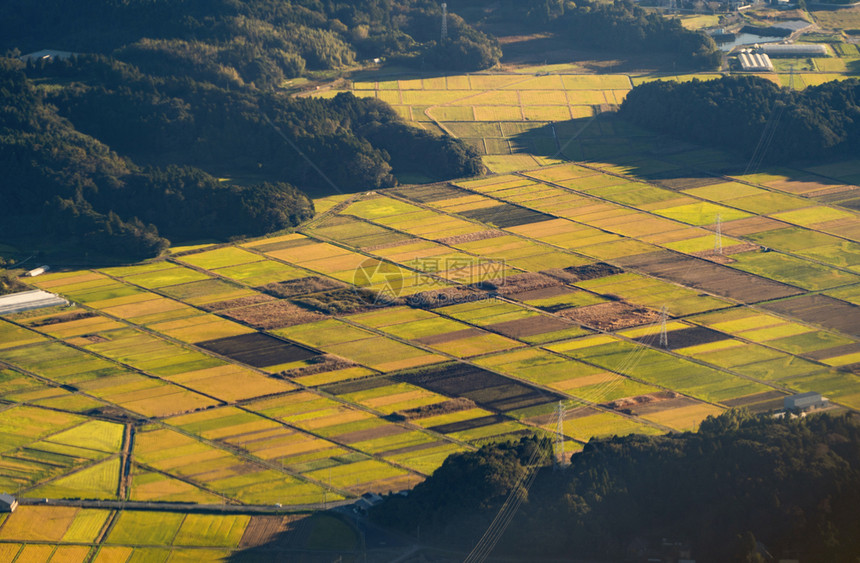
487 389
449 336
239 302
301 286
692 336
319 364
469 424
371 433
531 326
713 278
274 314
821 310
544 293
444 297
430 192
258 350
725 257
650 403
519 283
445 407
94 338
834 352
76 316
610 316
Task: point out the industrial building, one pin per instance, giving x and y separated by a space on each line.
793 50
27 300
804 401
752 61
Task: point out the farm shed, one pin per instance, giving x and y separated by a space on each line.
803 401
793 50
27 300
8 503
754 61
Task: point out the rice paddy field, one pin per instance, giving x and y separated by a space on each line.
640 283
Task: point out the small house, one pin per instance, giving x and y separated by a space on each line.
8 503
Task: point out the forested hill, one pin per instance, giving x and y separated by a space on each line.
63 178
734 111
620 26
739 485
63 188
260 41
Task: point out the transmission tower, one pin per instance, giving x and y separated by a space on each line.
444 21
559 435
718 235
664 336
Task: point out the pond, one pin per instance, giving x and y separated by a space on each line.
746 39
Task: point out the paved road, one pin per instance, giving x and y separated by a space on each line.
185 507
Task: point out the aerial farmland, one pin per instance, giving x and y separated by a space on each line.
600 281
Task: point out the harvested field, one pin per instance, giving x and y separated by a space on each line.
444 297
274 314
519 283
436 409
592 271
651 403
506 215
345 301
301 286
470 424
470 237
713 278
430 192
449 336
319 364
258 350
487 389
692 336
820 310
237 303
530 326
614 315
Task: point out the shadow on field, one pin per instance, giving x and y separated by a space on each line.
299 538
608 142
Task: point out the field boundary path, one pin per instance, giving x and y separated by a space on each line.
185 506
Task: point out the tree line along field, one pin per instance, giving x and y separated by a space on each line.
400 326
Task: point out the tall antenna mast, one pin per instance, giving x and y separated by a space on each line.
664 336
559 435
718 235
444 22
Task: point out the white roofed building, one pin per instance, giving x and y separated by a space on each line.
754 62
27 300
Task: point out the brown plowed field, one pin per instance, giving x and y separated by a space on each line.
613 315
821 310
713 278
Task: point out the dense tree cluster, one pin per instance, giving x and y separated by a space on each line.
738 484
62 184
618 26
733 112
247 41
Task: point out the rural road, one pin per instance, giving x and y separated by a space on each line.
184 507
